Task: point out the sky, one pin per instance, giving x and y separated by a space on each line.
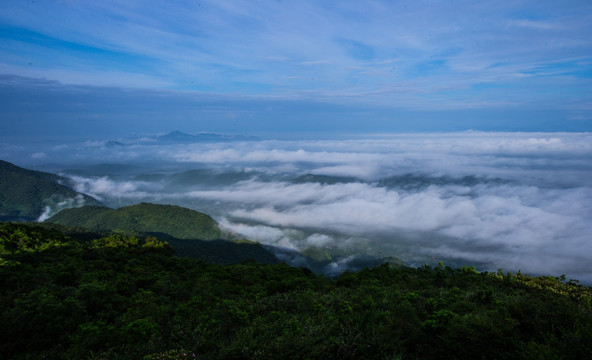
88 69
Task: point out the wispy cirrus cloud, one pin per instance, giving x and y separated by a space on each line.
349 48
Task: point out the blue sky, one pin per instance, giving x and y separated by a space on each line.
88 68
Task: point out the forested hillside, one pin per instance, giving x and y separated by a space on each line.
26 194
170 220
196 235
120 297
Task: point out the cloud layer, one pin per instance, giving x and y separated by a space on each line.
498 200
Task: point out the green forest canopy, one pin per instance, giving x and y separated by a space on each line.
171 220
122 297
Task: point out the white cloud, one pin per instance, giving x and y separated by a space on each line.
230 155
511 201
319 240
103 188
249 46
548 235
38 155
487 215
55 204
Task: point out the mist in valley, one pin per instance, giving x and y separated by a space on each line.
511 201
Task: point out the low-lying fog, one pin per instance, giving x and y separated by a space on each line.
515 201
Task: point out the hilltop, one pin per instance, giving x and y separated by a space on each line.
170 220
28 195
191 233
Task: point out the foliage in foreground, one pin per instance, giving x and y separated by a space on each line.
125 298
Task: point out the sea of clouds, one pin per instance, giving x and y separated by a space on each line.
515 201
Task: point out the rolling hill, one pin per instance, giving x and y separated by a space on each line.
190 233
196 235
168 220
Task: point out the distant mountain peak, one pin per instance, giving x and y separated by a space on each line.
114 143
177 136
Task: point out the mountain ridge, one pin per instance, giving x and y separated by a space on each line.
31 195
179 137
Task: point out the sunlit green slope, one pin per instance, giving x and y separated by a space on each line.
170 220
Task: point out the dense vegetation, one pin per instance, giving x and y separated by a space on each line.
191 233
25 194
170 220
212 251
120 297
